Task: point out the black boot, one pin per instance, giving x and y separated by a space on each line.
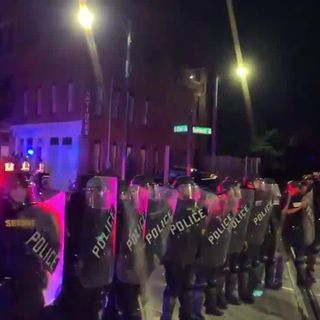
168 305
269 281
221 298
211 302
244 290
185 310
302 279
310 271
278 274
198 301
231 287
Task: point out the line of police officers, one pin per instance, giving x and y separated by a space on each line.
214 240
208 239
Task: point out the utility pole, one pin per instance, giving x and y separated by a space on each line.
127 78
215 119
108 163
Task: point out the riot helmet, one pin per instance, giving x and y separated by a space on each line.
97 194
187 188
139 189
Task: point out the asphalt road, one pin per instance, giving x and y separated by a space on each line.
273 305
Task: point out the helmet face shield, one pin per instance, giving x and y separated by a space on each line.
139 195
189 191
212 203
100 193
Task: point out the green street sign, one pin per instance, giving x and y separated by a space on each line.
180 128
202 130
183 128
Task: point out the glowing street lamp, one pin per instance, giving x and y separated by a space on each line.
242 71
85 17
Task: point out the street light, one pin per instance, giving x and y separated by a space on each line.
85 17
242 71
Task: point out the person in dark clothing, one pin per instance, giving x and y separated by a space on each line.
270 246
293 229
210 267
24 275
185 232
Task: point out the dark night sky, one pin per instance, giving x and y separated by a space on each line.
280 39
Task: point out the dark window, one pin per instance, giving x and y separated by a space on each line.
6 35
67 141
29 142
96 155
54 141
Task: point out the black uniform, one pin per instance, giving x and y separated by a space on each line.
239 232
185 232
250 268
210 274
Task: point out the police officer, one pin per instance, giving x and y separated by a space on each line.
244 203
293 229
28 277
250 268
210 267
185 232
271 244
131 266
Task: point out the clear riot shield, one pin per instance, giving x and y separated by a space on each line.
34 238
186 227
308 219
97 253
161 204
260 214
131 261
241 220
218 228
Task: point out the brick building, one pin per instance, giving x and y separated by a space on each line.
53 70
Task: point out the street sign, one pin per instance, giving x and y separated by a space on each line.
202 130
183 128
180 128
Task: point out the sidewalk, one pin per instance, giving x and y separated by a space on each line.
273 305
316 286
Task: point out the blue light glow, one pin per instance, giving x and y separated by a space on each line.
257 293
30 152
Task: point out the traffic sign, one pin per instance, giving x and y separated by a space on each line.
183 128
202 130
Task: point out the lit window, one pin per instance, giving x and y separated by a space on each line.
99 101
26 102
25 166
131 108
9 166
39 101
70 96
53 99
129 151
